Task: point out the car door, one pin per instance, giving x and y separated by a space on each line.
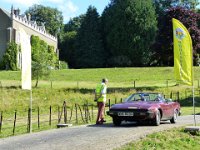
166 108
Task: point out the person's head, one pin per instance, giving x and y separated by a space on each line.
104 80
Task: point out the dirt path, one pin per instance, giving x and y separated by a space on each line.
88 137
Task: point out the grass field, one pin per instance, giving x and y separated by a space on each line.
88 78
55 89
77 86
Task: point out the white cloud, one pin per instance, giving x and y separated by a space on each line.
67 7
54 1
23 3
72 8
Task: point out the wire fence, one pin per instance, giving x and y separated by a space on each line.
21 123
47 117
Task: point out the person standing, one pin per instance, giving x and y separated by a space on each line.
100 98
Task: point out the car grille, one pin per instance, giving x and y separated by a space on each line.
139 114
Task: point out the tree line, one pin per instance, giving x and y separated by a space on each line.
129 33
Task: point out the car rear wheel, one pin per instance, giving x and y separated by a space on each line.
175 116
156 121
116 121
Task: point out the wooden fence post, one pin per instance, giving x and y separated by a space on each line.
134 84
58 114
1 120
84 109
76 114
29 120
50 115
65 112
15 117
81 114
38 117
171 95
109 103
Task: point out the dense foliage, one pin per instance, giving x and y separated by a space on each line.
128 33
51 17
9 61
89 46
68 40
163 54
43 58
129 29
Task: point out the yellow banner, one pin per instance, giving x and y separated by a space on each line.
183 55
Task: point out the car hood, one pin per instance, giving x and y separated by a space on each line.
135 105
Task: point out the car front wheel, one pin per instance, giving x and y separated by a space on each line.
174 118
156 121
116 121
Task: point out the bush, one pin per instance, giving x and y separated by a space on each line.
63 65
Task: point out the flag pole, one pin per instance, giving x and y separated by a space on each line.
193 100
193 105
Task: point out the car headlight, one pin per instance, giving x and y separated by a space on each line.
150 111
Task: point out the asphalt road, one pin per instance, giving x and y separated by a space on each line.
88 137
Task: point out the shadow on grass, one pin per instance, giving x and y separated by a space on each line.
189 101
111 90
12 87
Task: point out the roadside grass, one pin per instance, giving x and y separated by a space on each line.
173 139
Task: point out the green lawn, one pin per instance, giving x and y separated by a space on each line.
77 86
87 78
54 90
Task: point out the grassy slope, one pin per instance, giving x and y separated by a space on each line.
175 139
87 78
14 98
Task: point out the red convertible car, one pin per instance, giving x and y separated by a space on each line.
142 107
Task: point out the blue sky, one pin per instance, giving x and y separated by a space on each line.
69 8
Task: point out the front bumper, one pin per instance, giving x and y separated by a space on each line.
132 115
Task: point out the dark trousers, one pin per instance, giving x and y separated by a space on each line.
100 115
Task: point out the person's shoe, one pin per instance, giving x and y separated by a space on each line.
103 120
99 123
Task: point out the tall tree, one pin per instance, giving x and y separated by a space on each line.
74 24
51 17
68 40
89 48
165 4
164 45
67 48
43 58
129 30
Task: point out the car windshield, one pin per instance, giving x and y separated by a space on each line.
145 97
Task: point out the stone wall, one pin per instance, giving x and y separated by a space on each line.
4 25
